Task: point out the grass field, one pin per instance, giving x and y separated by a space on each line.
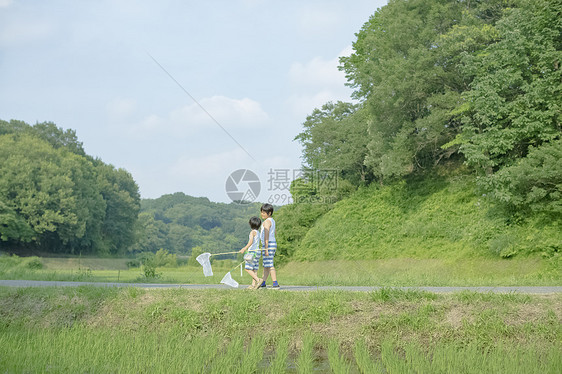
131 330
384 272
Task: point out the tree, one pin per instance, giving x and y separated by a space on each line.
49 189
121 195
55 197
406 75
13 227
47 131
533 183
150 234
334 138
514 97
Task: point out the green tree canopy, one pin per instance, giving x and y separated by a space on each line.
54 197
514 101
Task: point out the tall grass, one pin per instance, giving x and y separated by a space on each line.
429 218
383 272
365 362
279 362
80 349
338 362
90 329
305 362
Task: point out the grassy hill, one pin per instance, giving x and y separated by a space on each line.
440 216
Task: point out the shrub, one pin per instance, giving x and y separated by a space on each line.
164 258
149 271
34 263
534 184
133 264
196 251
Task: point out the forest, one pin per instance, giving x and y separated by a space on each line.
476 81
455 96
469 85
57 199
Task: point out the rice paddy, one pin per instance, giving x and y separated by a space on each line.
131 330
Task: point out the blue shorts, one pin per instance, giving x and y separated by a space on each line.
255 264
268 260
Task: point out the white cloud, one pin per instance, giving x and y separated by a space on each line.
316 82
210 165
187 120
244 113
318 73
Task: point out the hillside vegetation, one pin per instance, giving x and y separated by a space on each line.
431 217
453 144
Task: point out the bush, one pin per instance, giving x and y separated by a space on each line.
13 262
196 251
149 271
133 264
34 263
164 258
145 257
504 245
534 184
294 221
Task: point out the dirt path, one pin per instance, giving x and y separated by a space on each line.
517 289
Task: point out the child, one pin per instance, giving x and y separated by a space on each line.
267 236
251 259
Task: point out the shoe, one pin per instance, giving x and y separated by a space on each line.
275 286
258 285
262 285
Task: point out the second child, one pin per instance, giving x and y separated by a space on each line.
252 258
269 245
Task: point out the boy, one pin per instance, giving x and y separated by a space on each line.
253 261
267 236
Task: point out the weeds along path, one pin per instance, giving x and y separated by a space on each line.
498 289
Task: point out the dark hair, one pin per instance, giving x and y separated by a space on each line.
255 223
268 208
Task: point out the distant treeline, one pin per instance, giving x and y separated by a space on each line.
179 223
55 198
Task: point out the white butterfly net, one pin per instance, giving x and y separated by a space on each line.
204 260
227 279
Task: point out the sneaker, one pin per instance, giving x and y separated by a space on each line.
262 285
275 286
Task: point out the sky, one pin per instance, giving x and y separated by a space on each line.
180 93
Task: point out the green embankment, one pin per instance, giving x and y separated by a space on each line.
440 217
131 330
